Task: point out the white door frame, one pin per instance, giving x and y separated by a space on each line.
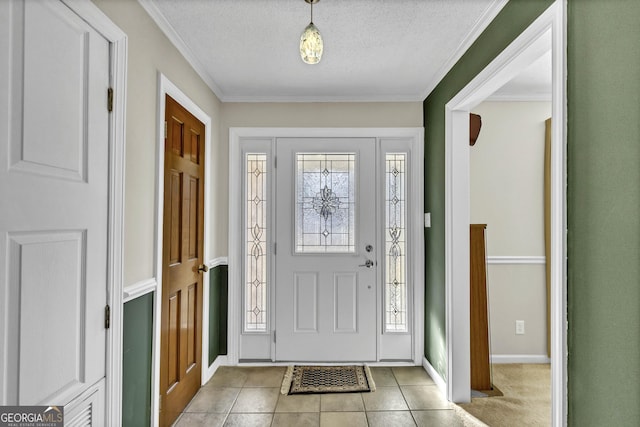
117 138
167 87
415 217
530 45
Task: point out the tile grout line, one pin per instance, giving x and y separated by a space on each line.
242 386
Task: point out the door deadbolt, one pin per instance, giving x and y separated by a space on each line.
368 248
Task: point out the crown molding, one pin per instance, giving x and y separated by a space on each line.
328 98
481 24
167 29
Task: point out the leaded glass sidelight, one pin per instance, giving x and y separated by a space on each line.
325 203
395 243
255 318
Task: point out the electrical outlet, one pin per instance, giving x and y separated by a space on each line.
519 327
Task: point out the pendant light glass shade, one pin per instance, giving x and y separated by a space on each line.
311 44
311 41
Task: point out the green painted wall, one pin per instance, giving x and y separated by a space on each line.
137 346
137 361
514 18
218 298
604 220
603 91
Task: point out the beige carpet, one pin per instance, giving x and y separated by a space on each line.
526 400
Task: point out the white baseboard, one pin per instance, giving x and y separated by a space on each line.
220 361
435 376
519 358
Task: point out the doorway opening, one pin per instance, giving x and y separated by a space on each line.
168 89
527 48
309 219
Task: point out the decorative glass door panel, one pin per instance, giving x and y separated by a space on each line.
255 292
395 243
325 202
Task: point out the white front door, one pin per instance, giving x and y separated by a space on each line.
54 185
326 272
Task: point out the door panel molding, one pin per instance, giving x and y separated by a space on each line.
345 295
267 137
305 312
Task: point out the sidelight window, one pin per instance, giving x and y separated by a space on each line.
255 318
395 258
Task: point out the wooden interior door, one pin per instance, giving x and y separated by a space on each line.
182 256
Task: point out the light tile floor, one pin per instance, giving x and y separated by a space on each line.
250 396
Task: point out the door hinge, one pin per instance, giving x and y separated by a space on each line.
110 99
165 130
275 247
274 337
160 404
107 317
275 162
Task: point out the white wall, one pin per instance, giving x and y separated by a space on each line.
507 167
149 52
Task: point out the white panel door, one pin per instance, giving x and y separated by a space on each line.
54 210
325 235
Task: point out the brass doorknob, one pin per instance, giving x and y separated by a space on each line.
203 268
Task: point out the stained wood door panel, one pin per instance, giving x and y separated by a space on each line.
175 216
173 352
183 225
176 135
194 153
192 216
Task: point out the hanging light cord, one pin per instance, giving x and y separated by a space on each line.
312 12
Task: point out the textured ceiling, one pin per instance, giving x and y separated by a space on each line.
378 50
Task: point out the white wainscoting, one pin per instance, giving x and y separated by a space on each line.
138 289
223 260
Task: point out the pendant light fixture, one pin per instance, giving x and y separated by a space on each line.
311 41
